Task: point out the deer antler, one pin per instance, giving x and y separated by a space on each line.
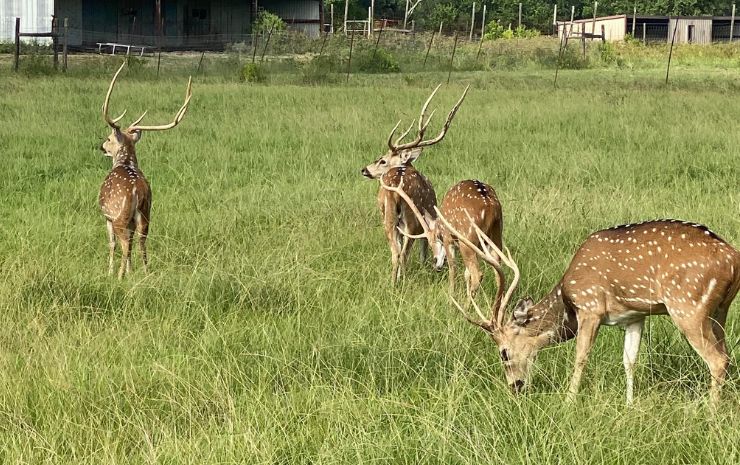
427 234
501 301
424 124
112 122
178 116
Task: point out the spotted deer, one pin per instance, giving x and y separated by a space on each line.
125 197
394 168
619 276
465 201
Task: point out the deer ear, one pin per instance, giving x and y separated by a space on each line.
521 311
411 154
135 135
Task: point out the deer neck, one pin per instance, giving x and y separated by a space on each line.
126 156
552 319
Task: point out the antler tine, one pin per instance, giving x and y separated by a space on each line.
486 256
426 105
483 322
423 129
508 261
140 118
178 116
116 120
112 122
390 136
423 222
404 134
422 124
448 122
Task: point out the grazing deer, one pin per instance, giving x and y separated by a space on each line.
467 201
394 168
619 276
125 197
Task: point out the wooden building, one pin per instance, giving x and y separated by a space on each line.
656 29
183 24
36 16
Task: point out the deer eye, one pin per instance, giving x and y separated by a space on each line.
504 355
382 161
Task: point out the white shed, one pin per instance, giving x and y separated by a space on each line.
614 27
35 17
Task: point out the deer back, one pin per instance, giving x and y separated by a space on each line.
124 191
477 201
419 190
664 266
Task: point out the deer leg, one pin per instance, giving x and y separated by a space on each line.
142 229
700 334
423 248
450 252
406 245
473 276
718 325
124 232
632 336
111 245
588 328
389 223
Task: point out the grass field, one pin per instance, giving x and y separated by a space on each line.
267 332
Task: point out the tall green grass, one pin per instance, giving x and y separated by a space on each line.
267 332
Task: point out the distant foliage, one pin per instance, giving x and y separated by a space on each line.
380 61
253 72
495 30
320 69
267 21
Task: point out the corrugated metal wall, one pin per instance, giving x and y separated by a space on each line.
35 17
185 22
302 15
614 28
701 30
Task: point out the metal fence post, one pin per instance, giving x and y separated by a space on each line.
732 23
64 44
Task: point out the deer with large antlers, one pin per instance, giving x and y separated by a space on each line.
619 276
125 197
394 168
467 201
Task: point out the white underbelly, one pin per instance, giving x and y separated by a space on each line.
623 318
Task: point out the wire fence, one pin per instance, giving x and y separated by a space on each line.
335 57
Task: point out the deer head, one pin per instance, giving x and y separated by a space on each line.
399 154
119 145
517 345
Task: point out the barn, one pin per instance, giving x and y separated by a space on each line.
656 29
193 24
37 15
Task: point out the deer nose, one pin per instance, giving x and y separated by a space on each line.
365 172
517 386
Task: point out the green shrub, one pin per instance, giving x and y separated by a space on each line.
572 58
494 30
267 21
253 72
378 61
319 69
37 64
607 53
521 32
